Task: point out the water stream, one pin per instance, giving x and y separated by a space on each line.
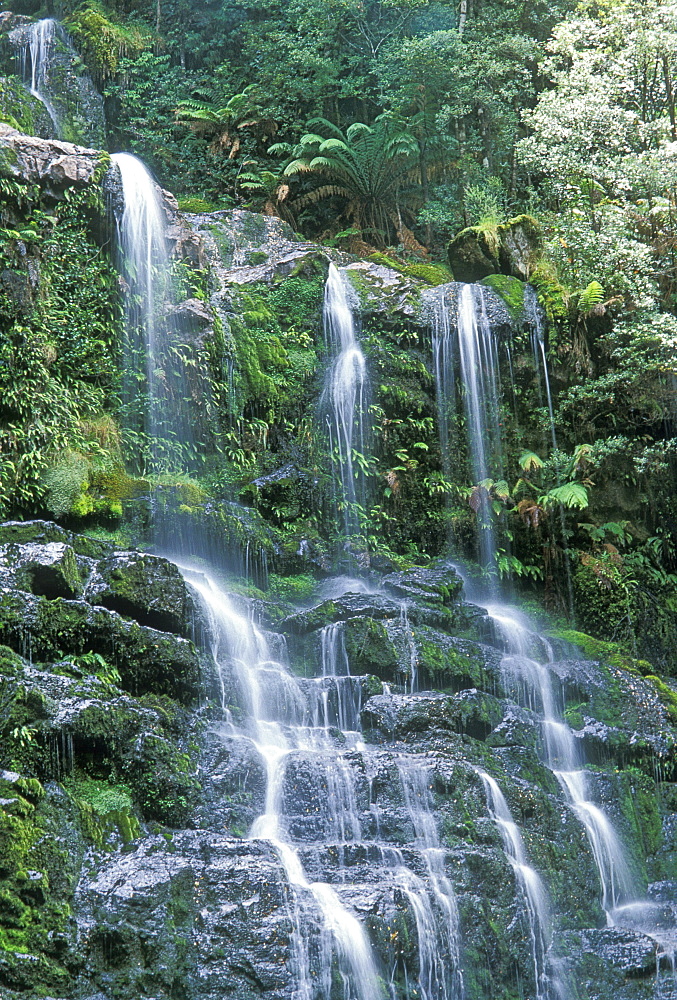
345 396
36 54
312 725
546 973
463 341
526 672
316 723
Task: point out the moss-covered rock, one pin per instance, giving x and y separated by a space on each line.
148 660
511 249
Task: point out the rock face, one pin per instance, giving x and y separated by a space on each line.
126 802
510 249
51 164
76 111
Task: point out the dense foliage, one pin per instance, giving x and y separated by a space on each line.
387 125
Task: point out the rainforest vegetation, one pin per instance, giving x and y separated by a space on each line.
338 499
379 127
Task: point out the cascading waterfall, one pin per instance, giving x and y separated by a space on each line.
527 675
546 976
294 723
48 65
470 343
36 59
531 682
345 397
435 910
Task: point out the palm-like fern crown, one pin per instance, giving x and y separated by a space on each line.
370 166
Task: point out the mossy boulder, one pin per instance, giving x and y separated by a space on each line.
50 569
147 660
511 249
144 587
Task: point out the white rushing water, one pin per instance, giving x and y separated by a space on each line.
276 726
525 668
435 908
546 975
464 344
315 724
36 61
155 388
346 395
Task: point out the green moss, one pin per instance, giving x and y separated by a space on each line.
104 809
33 919
666 694
195 206
291 588
370 649
431 274
511 291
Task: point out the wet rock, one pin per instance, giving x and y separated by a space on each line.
381 291
343 608
192 314
510 249
148 660
626 951
144 587
43 532
403 717
431 585
49 569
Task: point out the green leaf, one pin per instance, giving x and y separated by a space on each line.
529 461
572 495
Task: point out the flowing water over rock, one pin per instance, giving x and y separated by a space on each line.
528 675
292 737
48 65
346 395
465 346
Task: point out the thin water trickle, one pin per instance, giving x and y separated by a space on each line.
346 396
546 975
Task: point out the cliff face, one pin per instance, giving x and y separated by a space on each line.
127 799
137 758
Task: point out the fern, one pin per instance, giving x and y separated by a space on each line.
571 495
529 461
590 297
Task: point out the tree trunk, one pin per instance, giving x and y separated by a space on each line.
462 17
670 95
158 16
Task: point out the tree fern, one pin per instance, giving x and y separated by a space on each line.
571 495
369 166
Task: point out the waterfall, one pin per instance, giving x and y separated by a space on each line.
436 911
40 39
546 977
312 727
621 898
469 346
155 387
47 63
345 397
266 686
